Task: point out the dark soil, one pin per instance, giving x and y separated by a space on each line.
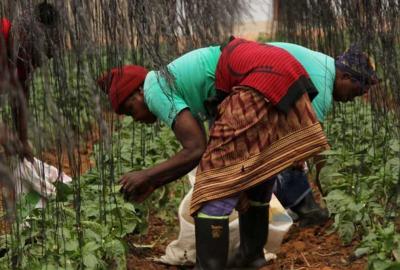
303 248
315 248
158 235
310 248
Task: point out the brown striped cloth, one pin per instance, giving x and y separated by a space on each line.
251 141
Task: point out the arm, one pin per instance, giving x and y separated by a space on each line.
19 97
20 116
190 134
193 140
19 111
319 161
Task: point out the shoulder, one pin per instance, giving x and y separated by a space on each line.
153 81
155 87
289 46
202 53
297 49
151 84
307 57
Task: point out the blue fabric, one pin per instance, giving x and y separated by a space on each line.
291 187
261 193
222 207
356 63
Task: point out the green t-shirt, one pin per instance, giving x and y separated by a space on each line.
194 74
321 69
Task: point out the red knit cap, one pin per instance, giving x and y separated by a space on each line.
119 83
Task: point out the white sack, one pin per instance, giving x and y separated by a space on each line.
182 251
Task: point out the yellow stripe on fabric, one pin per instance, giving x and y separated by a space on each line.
274 156
214 192
280 145
223 182
286 151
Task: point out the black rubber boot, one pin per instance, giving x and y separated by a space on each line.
309 212
212 243
253 227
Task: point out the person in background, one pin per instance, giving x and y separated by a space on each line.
259 96
24 46
292 187
294 192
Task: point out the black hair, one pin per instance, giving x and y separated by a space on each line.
46 14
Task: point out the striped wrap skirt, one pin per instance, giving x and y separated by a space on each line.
251 141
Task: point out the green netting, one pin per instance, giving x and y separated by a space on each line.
83 227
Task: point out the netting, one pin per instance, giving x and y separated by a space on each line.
83 226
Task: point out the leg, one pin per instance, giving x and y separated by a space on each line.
294 192
212 234
254 228
291 187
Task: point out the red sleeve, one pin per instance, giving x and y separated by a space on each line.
22 70
5 27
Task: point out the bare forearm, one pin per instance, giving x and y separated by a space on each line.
177 166
23 125
140 184
191 135
319 163
20 115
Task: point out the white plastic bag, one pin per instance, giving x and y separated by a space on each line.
38 176
279 224
182 251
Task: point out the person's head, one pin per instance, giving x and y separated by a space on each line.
355 74
124 87
39 36
48 18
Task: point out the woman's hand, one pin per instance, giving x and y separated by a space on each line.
136 186
27 152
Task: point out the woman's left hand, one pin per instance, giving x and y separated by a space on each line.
136 186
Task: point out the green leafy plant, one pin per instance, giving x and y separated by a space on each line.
89 231
361 177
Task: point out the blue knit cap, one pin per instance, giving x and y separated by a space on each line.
358 65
